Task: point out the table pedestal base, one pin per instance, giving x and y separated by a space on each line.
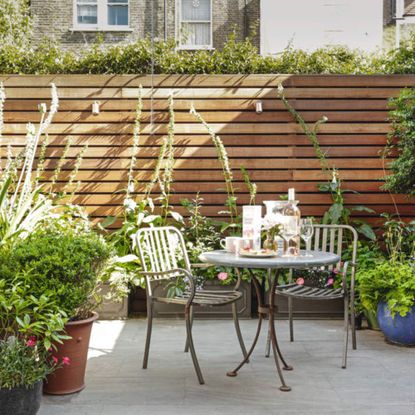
264 310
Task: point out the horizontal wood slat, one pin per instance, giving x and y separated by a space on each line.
203 93
230 104
194 128
212 116
270 144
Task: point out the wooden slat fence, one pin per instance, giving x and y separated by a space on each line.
270 145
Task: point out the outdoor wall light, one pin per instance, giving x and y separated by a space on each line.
258 107
96 107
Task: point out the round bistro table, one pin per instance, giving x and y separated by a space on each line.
274 265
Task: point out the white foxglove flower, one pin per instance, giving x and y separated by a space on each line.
42 108
130 205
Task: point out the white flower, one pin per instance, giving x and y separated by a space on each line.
324 118
131 187
130 205
42 108
280 89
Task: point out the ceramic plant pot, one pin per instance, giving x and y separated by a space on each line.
71 378
21 400
400 330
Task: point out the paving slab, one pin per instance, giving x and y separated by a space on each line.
379 379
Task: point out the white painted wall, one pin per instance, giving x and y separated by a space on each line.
310 24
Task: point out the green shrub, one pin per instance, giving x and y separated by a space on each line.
64 267
392 282
24 313
235 57
15 22
402 138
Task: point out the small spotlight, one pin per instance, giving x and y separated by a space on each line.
96 107
258 107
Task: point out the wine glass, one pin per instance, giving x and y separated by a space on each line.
288 232
306 233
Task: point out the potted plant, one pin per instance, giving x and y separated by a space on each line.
22 371
29 325
388 289
65 265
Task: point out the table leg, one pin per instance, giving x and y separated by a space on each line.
275 347
257 287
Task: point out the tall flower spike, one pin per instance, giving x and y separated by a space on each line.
54 106
223 160
136 141
2 101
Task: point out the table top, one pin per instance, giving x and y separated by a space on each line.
227 259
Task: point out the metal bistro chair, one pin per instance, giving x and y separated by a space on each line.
161 250
328 238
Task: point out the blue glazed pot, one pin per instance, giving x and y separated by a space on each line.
399 330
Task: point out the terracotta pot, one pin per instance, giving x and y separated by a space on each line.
71 378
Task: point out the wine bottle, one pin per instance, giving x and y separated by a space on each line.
293 217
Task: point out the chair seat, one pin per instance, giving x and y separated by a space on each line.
206 298
312 293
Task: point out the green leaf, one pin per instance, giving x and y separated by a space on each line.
361 208
335 212
151 218
367 231
177 216
108 221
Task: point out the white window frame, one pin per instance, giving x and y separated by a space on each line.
102 19
179 26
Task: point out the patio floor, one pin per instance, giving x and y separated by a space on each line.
379 380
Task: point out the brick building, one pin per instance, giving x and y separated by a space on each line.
195 24
206 24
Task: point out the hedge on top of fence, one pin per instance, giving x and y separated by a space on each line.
235 57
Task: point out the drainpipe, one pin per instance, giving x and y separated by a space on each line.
165 20
246 28
399 20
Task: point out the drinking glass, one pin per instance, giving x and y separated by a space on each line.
306 233
288 232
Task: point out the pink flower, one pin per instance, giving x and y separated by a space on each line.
223 276
330 281
31 342
336 271
66 360
300 281
55 360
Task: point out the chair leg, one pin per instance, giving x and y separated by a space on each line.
238 329
346 332
149 330
186 347
353 322
268 345
187 314
291 318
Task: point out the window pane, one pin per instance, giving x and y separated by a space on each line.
118 1
86 1
196 10
195 34
118 15
87 14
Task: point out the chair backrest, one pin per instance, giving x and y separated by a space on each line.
333 238
161 249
